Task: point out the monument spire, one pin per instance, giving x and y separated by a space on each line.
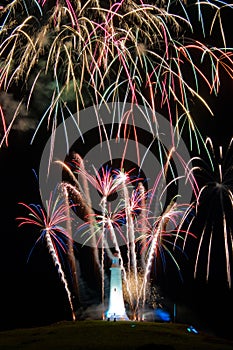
116 310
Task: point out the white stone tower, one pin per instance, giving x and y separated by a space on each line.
116 310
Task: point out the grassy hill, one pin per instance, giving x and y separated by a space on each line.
110 335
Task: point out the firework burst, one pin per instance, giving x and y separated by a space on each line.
130 227
216 196
50 222
90 53
74 54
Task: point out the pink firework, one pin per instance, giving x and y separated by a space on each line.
50 222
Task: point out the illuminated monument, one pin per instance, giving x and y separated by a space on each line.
116 309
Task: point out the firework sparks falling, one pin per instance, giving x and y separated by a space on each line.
130 224
50 224
108 182
91 54
217 196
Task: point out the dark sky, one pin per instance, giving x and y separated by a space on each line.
31 291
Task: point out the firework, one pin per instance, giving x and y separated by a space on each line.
84 53
129 227
55 235
216 197
64 56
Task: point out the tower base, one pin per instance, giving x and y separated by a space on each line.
116 317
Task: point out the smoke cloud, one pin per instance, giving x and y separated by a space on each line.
9 106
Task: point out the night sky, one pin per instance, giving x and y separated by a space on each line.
31 292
